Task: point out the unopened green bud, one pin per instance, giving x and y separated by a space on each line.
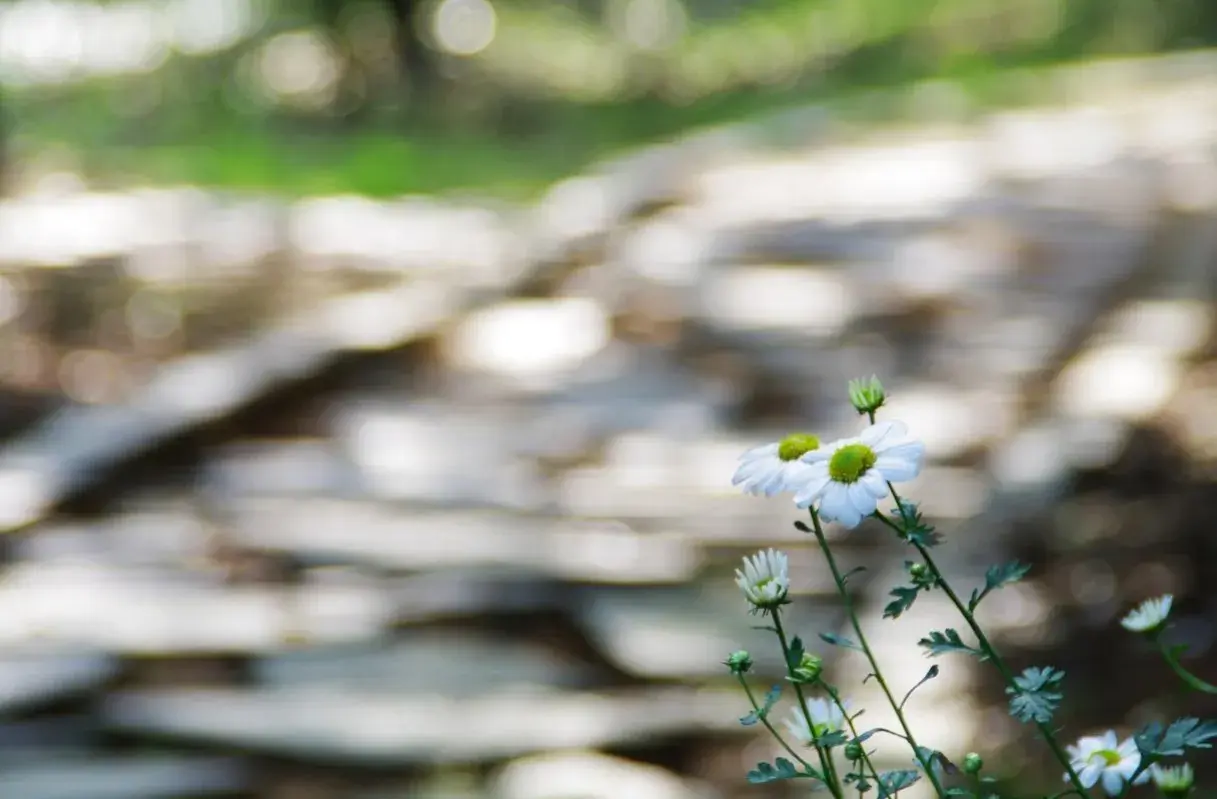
917 570
866 395
809 669
973 763
853 751
740 662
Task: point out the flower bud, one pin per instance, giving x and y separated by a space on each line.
917 570
853 751
809 669
866 395
740 662
973 763
1173 782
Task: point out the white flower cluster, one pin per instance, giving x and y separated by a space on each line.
844 479
1105 759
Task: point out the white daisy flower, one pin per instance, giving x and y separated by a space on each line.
1149 616
850 476
775 468
1103 758
765 579
1173 780
826 716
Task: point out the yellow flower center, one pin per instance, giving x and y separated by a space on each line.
851 462
794 446
1110 757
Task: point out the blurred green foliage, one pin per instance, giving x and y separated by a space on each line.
558 85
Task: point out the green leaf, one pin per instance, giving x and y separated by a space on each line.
891 782
949 641
916 531
996 577
864 737
1036 695
1155 741
781 769
794 656
838 640
834 738
959 792
905 596
771 699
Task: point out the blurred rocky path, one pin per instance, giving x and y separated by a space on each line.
344 498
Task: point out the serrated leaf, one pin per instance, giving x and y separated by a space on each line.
794 655
834 738
996 577
891 782
1036 695
839 640
915 529
940 643
771 699
905 595
1155 741
781 769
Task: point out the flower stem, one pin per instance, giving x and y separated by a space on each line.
990 651
764 719
1193 682
928 767
830 773
836 698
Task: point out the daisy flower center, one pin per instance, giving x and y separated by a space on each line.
851 462
794 446
1110 757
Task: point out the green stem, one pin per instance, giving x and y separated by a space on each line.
818 529
990 651
830 773
764 719
836 698
1193 682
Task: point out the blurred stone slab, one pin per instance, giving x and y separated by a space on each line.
379 727
58 734
73 448
688 632
392 537
589 774
473 592
422 662
45 675
88 776
141 611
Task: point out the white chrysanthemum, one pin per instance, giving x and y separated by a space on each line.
825 715
850 476
1149 615
1173 780
775 468
1103 758
765 579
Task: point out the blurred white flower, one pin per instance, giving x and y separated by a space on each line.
1103 758
765 579
1149 616
850 476
775 468
825 714
1173 780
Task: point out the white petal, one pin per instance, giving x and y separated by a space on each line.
751 472
763 451
1113 782
834 502
1090 774
874 483
1110 741
901 462
815 481
883 434
862 499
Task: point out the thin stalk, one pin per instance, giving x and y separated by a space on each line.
818 529
830 773
990 651
836 698
1193 682
764 718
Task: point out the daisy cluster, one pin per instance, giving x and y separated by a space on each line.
843 481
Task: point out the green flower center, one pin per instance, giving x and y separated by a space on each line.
851 462
796 445
1110 756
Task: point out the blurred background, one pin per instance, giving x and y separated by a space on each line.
372 375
